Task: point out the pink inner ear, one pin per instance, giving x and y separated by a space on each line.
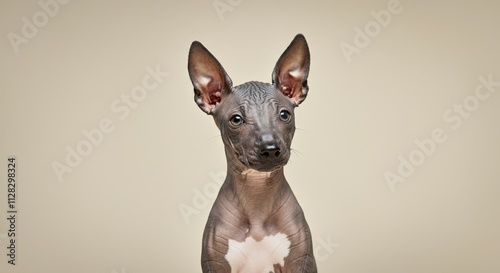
214 91
286 90
288 83
215 98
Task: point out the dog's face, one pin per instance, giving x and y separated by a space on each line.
257 125
256 119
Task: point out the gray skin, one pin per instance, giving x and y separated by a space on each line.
257 125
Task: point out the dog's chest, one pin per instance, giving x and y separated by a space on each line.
252 256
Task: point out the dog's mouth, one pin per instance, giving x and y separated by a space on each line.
264 162
266 168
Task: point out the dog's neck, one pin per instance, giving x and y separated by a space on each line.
252 179
259 194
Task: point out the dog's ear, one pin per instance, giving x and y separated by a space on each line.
210 81
291 70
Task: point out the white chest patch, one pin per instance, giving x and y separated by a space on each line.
252 256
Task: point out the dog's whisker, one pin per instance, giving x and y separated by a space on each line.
300 129
215 137
296 152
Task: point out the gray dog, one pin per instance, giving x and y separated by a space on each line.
256 224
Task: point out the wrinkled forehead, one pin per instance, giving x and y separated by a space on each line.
252 99
259 95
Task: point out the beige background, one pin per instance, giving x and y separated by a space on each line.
119 210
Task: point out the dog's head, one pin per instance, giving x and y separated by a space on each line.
256 119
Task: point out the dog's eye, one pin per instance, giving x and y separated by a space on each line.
236 120
285 115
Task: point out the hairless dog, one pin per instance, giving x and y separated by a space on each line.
256 224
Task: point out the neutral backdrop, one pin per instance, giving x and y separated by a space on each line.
397 152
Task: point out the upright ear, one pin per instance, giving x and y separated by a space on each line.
210 81
291 70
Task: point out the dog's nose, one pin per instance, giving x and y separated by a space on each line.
269 146
270 151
